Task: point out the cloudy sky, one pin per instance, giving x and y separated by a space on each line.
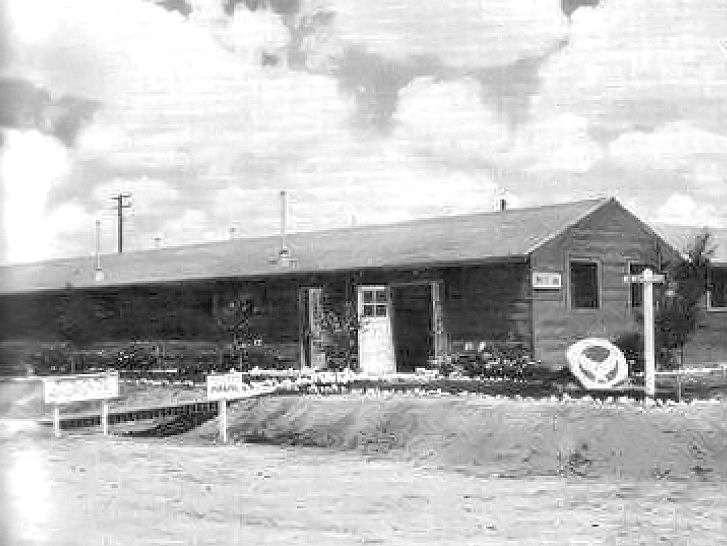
364 111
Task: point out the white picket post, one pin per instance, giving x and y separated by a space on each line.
105 417
222 419
56 420
649 357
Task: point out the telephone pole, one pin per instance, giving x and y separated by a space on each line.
121 204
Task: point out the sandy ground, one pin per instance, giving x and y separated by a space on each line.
88 490
498 436
386 469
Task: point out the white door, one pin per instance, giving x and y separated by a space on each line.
375 339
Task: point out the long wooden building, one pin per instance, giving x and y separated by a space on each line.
543 277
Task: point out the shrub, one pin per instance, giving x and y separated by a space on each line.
632 346
498 359
339 336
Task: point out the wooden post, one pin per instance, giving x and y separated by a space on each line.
105 417
56 420
648 278
649 357
222 419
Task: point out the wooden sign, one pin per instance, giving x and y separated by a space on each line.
62 389
544 280
226 386
75 388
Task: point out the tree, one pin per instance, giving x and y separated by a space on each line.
79 319
680 306
339 336
234 319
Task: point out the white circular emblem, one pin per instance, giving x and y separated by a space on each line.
597 373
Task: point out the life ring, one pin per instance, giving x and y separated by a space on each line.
597 374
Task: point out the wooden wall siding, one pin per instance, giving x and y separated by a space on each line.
612 237
489 302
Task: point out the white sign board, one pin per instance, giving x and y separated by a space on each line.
547 281
597 373
226 386
75 388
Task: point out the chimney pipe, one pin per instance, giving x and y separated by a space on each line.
283 222
500 200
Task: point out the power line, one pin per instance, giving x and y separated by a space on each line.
121 204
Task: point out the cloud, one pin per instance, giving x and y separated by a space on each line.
569 7
511 87
31 164
681 209
375 82
697 157
558 143
673 146
629 66
181 6
181 110
462 34
206 109
24 106
449 119
259 37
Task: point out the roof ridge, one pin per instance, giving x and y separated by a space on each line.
597 204
598 201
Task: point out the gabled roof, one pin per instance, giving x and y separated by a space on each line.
680 237
511 234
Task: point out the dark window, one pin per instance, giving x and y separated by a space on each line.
718 288
584 285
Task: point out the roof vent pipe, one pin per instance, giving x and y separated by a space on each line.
283 223
98 274
500 200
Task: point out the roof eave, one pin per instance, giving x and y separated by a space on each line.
282 273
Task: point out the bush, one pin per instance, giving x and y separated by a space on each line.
497 360
339 336
632 346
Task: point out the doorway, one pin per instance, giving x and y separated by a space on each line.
310 307
414 325
375 341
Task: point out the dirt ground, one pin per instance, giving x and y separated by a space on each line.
88 490
391 469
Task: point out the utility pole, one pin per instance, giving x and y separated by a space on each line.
121 204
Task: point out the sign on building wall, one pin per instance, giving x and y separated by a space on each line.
226 386
545 280
75 388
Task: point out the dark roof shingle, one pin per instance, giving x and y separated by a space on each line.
513 233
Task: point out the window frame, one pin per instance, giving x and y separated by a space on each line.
709 306
599 283
376 303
